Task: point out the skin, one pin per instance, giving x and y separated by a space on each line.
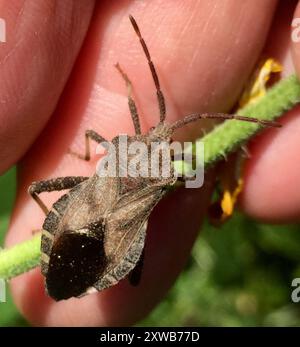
204 52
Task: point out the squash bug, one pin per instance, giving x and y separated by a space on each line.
94 235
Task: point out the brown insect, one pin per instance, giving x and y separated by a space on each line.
94 235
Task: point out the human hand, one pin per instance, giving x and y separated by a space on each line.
204 54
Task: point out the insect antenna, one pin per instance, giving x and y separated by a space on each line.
194 117
160 96
131 103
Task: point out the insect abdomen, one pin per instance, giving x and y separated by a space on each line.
126 264
76 261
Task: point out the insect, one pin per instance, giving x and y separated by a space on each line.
94 235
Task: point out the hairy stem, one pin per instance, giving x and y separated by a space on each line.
221 141
229 135
20 258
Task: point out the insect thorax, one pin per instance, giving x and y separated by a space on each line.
145 157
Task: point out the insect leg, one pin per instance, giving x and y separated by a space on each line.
131 103
183 178
51 185
194 117
180 156
89 134
160 96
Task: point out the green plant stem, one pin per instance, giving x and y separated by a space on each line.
229 135
221 141
20 258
